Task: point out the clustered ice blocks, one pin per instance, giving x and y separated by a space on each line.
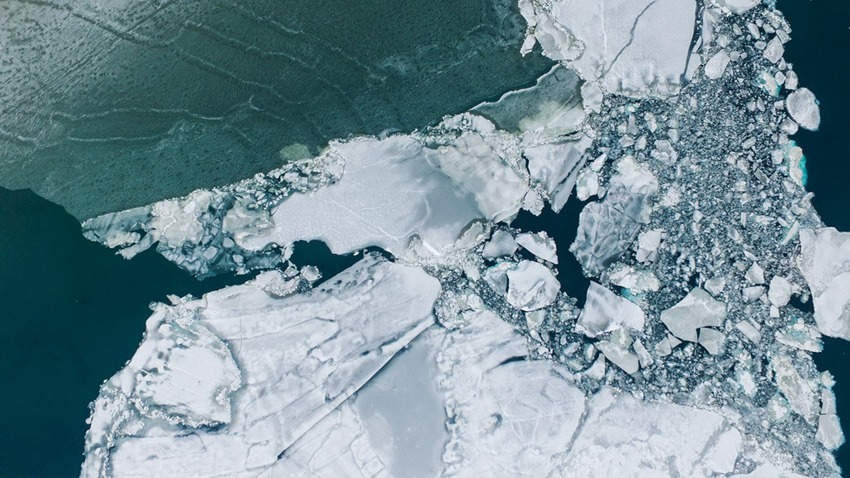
692 355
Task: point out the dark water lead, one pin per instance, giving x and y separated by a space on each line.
71 314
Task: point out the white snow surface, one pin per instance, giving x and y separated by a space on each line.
630 47
300 357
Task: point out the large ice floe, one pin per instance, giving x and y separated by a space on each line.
457 352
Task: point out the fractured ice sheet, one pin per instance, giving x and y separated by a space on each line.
299 357
632 47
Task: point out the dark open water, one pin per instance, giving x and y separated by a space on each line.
820 53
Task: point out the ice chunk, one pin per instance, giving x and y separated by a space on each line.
825 264
779 292
714 341
803 107
501 244
433 193
829 431
531 286
540 244
716 65
606 311
647 246
555 167
620 357
774 51
755 274
695 310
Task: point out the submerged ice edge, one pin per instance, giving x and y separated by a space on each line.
692 239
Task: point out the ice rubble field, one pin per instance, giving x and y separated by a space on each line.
691 356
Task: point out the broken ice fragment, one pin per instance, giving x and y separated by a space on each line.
716 65
501 244
540 244
779 292
619 356
606 311
695 310
713 340
531 286
829 432
803 107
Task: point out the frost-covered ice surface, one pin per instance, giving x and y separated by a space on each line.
692 355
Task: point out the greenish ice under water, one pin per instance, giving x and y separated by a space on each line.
111 105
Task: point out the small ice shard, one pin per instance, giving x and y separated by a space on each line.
531 286
715 285
755 274
714 341
664 347
829 432
647 246
774 51
724 455
780 291
540 244
716 65
825 264
697 309
752 293
803 107
749 331
738 6
619 356
606 311
643 354
501 244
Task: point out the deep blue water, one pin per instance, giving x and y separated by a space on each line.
819 52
